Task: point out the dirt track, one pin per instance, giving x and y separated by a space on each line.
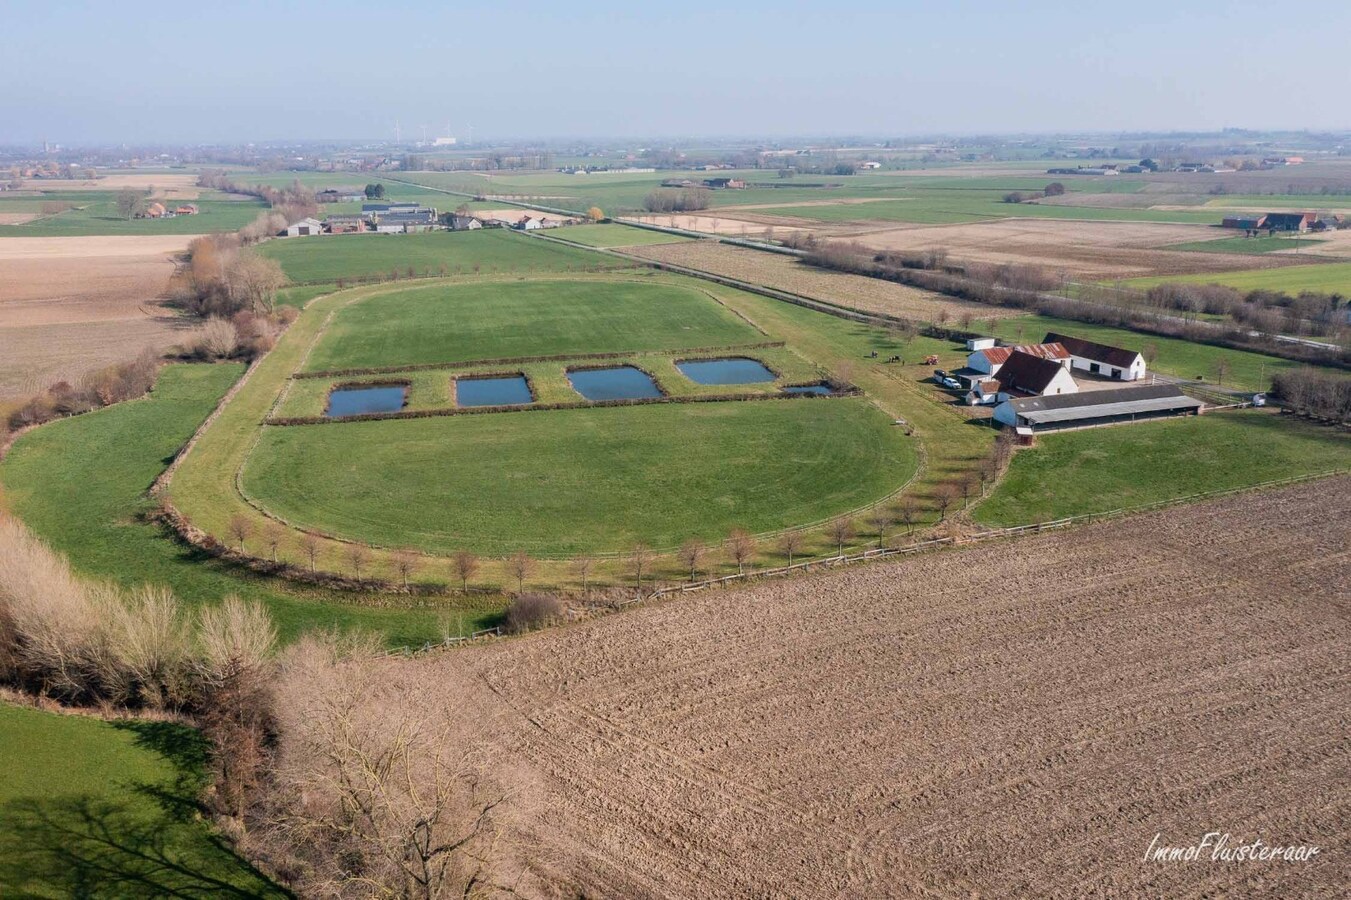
853 291
1017 719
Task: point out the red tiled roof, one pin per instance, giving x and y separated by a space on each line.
1046 350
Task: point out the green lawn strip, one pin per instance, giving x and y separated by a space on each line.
431 389
1255 245
445 322
298 295
80 484
91 808
1178 357
1103 469
555 483
953 444
1325 277
327 258
101 218
612 235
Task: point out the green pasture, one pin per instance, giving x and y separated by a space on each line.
80 484
559 482
326 258
441 323
611 235
100 217
1323 277
1264 244
109 809
1101 469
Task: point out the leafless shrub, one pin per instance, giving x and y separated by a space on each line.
841 530
691 554
790 544
465 566
216 339
740 546
406 563
520 565
526 612
583 566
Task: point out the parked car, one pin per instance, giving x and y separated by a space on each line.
939 374
952 384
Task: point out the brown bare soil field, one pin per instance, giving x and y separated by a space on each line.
1010 720
169 187
746 224
69 305
17 218
783 272
1085 250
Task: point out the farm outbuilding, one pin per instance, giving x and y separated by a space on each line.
304 228
1109 407
1101 359
1028 374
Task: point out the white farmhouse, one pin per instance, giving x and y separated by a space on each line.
1100 359
304 228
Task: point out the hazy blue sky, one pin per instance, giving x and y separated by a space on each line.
99 71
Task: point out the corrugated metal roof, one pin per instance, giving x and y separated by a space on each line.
1102 404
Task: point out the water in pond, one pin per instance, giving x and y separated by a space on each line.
359 401
735 370
509 390
618 383
822 390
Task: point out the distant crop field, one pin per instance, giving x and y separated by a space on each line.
929 207
1324 277
492 320
610 235
327 258
1101 469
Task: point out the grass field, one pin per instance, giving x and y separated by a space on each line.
491 320
1268 244
1323 277
98 809
1179 357
611 235
566 481
1102 469
98 216
492 250
938 207
92 511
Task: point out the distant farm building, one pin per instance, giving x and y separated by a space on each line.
719 184
1024 374
333 195
1247 223
154 210
345 225
1029 415
304 228
456 222
528 223
1298 221
406 221
869 164
1101 359
186 209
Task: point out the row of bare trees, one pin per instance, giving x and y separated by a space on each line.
112 384
1320 395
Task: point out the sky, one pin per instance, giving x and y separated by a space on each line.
150 72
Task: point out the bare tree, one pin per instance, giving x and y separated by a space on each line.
273 532
583 566
406 563
789 544
967 485
309 545
908 511
741 548
240 528
944 495
1222 367
253 280
130 202
841 530
520 565
357 555
639 557
466 566
691 554
881 519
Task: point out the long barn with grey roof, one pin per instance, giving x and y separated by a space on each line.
1089 408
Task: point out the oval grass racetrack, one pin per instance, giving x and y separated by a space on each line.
443 323
560 482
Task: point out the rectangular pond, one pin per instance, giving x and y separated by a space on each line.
616 383
817 390
731 370
361 401
500 390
